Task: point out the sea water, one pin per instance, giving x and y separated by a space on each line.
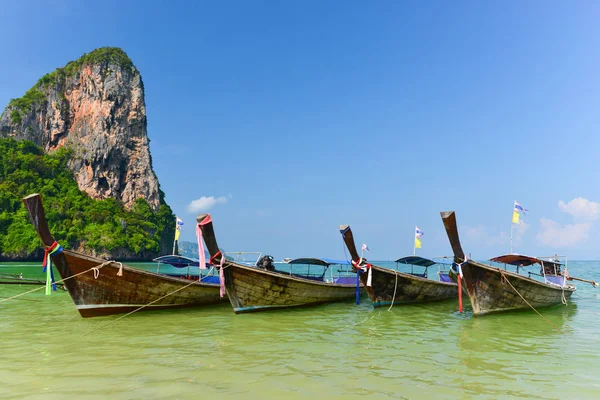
330 351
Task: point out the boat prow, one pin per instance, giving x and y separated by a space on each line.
386 286
493 289
263 287
99 287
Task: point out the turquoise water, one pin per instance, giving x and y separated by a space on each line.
331 351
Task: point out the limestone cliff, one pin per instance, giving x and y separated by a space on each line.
94 105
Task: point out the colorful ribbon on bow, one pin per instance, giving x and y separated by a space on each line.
222 277
358 272
459 275
221 274
212 260
49 252
201 256
361 268
365 268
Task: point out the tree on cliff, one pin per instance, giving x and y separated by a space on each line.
94 105
95 108
101 227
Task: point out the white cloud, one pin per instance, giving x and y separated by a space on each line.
581 208
556 235
520 229
479 235
204 203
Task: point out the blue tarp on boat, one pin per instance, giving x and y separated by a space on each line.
325 262
178 261
416 260
210 279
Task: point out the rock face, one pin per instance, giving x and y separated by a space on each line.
94 105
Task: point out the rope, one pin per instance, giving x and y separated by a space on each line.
395 287
207 274
459 278
139 308
95 269
37 301
12 276
345 254
505 279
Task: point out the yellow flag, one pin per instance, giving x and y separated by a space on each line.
177 232
417 243
515 219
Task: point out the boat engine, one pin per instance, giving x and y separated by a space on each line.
266 262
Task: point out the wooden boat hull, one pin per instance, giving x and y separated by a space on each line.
251 289
408 288
489 291
16 281
108 293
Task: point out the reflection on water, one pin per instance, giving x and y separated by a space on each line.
334 351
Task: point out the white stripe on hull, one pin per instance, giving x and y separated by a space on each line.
93 306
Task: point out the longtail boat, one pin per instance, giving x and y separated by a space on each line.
494 289
99 287
180 262
387 286
264 287
18 279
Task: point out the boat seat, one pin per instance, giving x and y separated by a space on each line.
210 279
556 280
345 280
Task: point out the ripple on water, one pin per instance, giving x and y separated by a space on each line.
334 351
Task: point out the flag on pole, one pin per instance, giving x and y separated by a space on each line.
178 225
517 210
365 247
418 235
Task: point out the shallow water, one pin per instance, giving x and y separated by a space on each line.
331 351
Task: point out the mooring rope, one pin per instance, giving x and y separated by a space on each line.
96 274
505 279
395 287
2 297
12 276
139 308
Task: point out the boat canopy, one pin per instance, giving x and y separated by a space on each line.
522 260
178 261
325 262
416 260
444 260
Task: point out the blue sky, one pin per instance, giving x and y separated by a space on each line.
301 116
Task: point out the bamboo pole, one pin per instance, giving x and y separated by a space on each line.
592 282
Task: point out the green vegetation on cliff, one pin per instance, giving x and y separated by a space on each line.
73 217
23 104
103 55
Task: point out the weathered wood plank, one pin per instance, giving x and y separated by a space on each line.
112 294
251 289
408 288
489 291
489 288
